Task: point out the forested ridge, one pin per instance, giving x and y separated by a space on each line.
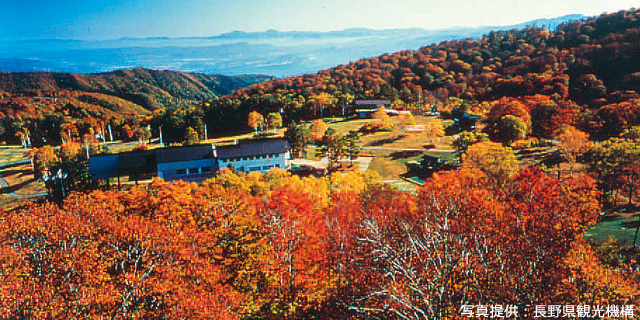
151 89
41 103
588 68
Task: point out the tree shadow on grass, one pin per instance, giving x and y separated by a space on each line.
384 141
630 224
404 154
19 172
16 187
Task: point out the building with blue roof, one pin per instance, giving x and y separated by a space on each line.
193 163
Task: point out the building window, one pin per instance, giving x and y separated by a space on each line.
181 172
206 169
267 167
277 165
255 169
193 171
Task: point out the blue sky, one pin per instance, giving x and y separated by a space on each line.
111 19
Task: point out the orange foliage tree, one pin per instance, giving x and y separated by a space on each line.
277 246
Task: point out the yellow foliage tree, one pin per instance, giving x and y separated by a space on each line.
434 131
381 114
318 128
573 143
43 159
69 150
497 162
407 119
255 120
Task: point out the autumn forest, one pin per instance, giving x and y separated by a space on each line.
493 231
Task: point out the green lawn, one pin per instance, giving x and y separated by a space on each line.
388 169
620 228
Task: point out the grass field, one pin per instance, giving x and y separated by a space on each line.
9 154
21 180
390 161
621 228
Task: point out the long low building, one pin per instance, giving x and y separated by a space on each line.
193 163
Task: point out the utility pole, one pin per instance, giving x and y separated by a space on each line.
110 134
206 137
62 176
161 144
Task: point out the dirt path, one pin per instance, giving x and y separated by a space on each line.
324 162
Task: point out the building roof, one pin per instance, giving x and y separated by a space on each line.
388 111
186 153
377 102
254 148
137 160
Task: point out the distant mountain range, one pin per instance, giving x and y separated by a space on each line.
271 52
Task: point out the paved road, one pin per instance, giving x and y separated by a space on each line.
403 149
120 143
324 162
321 164
410 149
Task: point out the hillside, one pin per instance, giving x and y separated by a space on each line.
40 103
147 88
583 65
74 104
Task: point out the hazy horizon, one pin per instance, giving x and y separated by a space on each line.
276 30
100 20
